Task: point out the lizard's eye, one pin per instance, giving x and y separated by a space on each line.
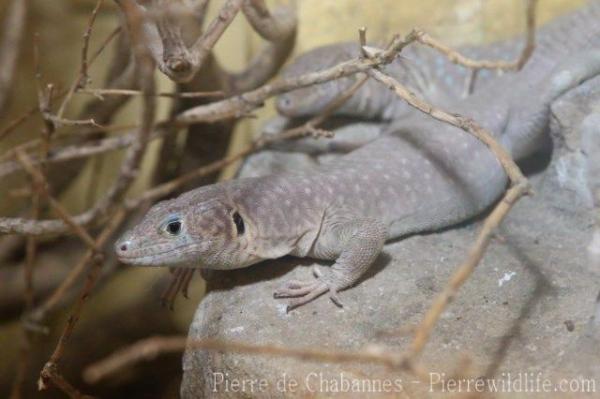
239 223
173 227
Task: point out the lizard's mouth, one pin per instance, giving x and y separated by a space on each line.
156 255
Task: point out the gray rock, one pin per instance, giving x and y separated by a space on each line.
575 127
526 309
576 160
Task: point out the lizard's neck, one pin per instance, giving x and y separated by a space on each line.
277 210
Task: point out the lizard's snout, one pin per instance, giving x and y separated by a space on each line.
122 247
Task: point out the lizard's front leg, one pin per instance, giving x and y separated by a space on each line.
354 243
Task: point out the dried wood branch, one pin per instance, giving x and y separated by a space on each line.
82 78
519 187
50 373
464 271
457 58
279 29
461 122
100 93
150 348
243 104
52 302
11 126
41 185
80 151
166 43
203 46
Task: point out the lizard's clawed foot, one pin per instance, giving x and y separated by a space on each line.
305 291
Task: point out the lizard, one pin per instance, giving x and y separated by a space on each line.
421 175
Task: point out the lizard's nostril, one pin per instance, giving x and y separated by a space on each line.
123 247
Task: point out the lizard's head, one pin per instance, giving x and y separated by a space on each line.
313 99
201 228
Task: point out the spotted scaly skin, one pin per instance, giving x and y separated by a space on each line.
421 175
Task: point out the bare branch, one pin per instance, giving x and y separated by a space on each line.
464 271
133 157
520 187
279 29
243 104
166 43
457 58
41 185
83 78
100 93
50 372
150 348
81 151
11 126
466 124
40 313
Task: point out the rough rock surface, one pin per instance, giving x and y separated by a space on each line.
527 308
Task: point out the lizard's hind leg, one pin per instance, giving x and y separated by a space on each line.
355 243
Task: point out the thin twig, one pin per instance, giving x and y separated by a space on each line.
70 122
202 47
79 151
150 348
54 299
457 58
50 372
243 104
115 92
128 170
116 32
461 122
26 342
520 187
41 185
279 29
464 271
11 126
82 78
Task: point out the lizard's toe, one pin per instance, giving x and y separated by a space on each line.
295 288
305 291
316 290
